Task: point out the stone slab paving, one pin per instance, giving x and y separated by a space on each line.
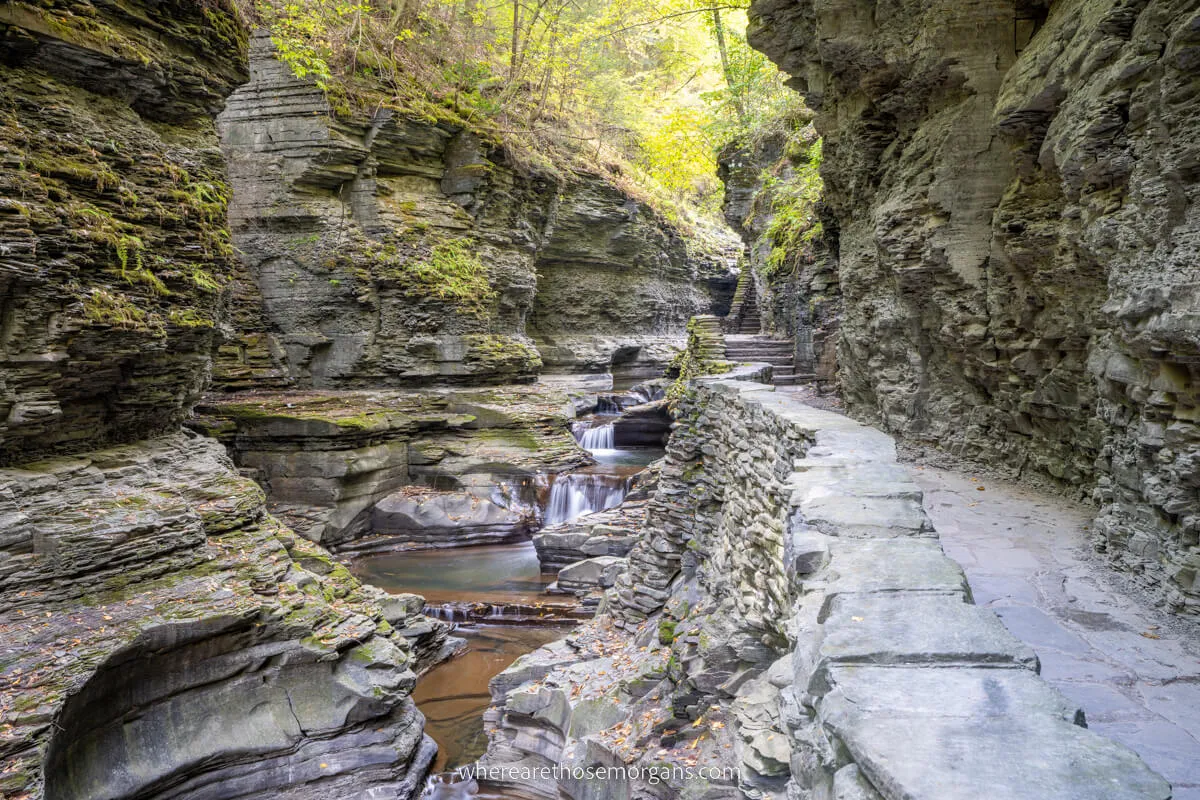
1134 670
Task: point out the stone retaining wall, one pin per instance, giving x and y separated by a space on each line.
788 611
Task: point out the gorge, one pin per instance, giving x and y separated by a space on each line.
361 444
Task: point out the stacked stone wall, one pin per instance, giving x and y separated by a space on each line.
789 612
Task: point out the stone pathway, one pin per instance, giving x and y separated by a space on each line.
1135 671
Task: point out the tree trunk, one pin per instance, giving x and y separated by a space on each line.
734 92
516 41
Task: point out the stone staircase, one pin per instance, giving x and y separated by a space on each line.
751 320
779 353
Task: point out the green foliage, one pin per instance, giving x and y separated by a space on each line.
793 210
455 273
644 92
693 362
132 265
190 318
501 353
449 270
306 34
204 280
103 307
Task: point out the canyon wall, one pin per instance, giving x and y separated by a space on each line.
788 626
463 466
113 246
1015 190
163 635
789 256
359 238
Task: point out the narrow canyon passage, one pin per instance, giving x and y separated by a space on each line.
424 400
1134 670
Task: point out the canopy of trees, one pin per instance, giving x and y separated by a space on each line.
646 91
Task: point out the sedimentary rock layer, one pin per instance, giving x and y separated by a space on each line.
165 637
789 276
114 253
789 624
1015 189
326 459
350 232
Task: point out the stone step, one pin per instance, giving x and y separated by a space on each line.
759 347
775 352
751 344
774 361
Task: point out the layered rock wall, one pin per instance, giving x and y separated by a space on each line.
789 627
789 262
351 232
163 636
1015 189
114 253
327 459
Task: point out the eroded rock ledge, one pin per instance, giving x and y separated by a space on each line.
164 637
789 612
471 457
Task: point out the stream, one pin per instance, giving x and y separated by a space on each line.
496 596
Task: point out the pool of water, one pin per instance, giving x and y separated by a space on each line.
503 573
454 695
630 457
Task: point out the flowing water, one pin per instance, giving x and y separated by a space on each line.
586 490
594 437
454 695
499 584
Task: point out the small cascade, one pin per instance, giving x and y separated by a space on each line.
460 783
594 437
580 493
539 613
608 404
447 612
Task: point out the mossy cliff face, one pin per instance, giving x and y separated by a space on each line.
114 254
771 195
1015 192
163 636
397 251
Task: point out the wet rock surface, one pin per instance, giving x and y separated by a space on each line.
1014 192
459 518
604 533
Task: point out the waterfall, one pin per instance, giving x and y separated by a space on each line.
598 437
608 404
582 493
447 612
